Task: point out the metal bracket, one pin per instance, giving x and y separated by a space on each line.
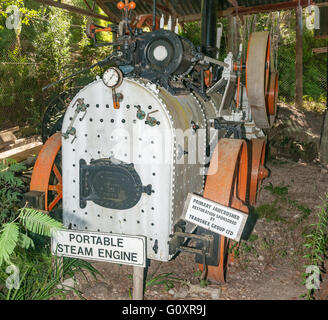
179 237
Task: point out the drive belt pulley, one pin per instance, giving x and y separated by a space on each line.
261 80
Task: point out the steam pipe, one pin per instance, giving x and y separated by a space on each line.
154 15
208 27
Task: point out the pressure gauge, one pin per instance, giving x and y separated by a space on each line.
113 77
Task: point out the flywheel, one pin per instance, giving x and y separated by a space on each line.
261 80
226 184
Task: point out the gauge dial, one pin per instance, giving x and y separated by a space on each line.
113 77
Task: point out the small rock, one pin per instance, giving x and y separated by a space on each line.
171 292
181 294
215 295
261 258
324 171
68 284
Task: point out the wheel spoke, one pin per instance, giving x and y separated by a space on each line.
55 201
57 173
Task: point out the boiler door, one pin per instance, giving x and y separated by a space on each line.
110 184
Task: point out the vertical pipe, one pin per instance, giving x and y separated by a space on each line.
208 27
154 15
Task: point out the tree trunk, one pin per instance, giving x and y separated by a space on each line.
299 59
323 152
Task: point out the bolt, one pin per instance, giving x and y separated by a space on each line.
263 173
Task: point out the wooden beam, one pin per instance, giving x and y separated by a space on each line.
113 17
23 152
87 4
171 8
160 7
73 9
251 10
320 4
320 50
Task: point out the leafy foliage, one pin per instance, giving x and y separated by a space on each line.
10 189
317 242
41 276
20 245
38 222
8 241
12 234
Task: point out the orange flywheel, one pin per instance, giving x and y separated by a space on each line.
258 171
46 175
226 184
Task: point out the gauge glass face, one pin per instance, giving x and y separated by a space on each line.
112 77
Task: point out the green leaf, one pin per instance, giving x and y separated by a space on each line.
8 241
24 241
38 222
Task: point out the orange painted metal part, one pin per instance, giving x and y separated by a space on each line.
44 166
208 78
109 29
238 82
227 184
272 96
268 65
147 21
258 171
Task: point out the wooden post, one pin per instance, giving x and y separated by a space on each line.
138 283
299 59
323 152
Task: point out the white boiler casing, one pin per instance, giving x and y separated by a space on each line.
157 153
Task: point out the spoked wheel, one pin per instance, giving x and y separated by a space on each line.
47 175
261 80
53 117
258 171
226 184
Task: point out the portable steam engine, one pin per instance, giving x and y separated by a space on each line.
164 120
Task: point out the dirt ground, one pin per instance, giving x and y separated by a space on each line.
269 264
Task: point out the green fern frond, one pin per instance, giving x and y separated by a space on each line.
38 222
25 241
8 241
17 167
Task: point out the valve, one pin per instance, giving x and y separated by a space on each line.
127 5
151 120
140 113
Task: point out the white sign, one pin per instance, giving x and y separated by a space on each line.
122 249
215 217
